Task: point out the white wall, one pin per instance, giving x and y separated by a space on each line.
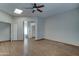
63 27
5 17
40 28
14 30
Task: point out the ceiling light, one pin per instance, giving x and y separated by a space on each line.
34 9
18 11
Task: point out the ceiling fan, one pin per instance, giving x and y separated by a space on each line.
36 7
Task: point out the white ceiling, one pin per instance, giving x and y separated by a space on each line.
48 10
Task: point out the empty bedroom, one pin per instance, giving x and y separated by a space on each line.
39 29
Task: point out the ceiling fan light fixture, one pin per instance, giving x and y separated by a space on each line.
34 9
18 11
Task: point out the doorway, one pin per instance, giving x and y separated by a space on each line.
32 29
29 32
5 31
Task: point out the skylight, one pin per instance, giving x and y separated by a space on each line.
18 11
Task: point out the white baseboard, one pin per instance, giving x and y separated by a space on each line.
63 42
4 40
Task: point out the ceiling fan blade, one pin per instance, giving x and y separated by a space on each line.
40 6
39 10
33 11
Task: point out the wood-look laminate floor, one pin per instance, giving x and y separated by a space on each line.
38 48
52 48
9 48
